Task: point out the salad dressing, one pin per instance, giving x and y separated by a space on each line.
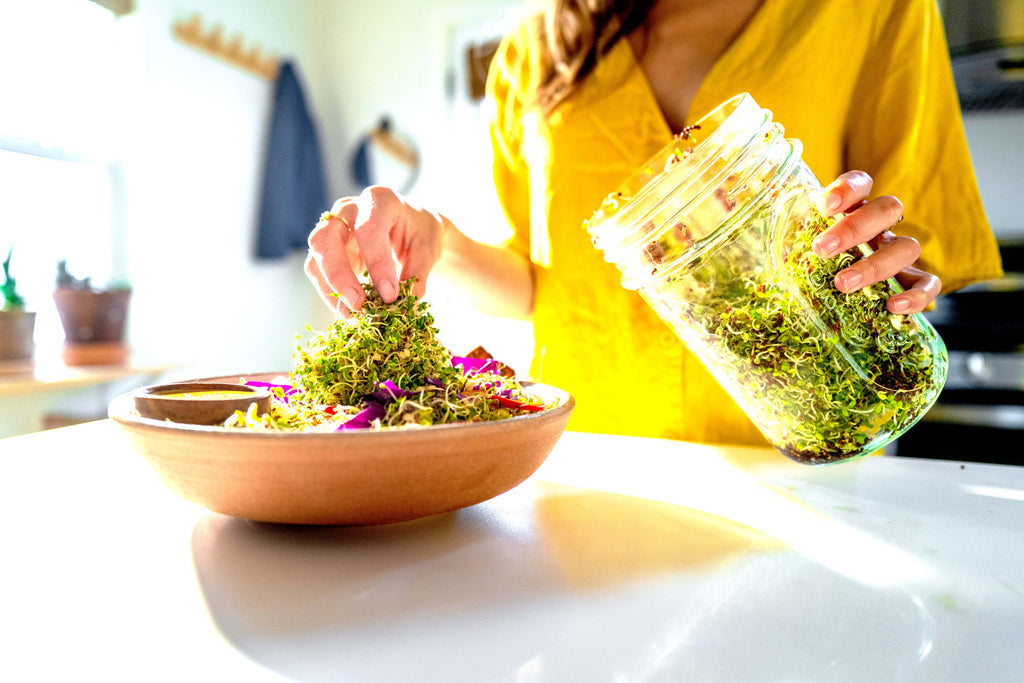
211 394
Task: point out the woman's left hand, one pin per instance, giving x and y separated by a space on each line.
871 222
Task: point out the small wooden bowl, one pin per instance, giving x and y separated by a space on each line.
198 403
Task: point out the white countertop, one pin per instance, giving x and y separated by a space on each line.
620 560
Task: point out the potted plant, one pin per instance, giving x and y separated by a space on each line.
17 325
94 319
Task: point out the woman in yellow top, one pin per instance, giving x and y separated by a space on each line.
582 98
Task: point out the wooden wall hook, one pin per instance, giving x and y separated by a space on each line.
233 51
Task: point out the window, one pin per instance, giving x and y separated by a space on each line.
60 118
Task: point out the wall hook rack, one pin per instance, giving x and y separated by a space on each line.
233 51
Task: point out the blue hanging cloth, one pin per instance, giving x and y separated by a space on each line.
293 194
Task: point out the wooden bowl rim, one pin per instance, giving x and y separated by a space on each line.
121 410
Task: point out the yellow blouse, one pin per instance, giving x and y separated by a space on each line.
864 85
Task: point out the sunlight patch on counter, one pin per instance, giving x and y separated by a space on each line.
702 478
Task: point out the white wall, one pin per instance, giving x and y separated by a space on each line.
401 58
195 157
193 173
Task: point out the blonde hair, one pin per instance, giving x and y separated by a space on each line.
575 35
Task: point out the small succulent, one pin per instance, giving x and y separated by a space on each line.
12 301
65 280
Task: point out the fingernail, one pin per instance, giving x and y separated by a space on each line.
850 280
350 296
830 203
900 304
825 245
386 289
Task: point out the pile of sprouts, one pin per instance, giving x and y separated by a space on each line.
384 367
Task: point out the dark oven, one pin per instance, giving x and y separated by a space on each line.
979 416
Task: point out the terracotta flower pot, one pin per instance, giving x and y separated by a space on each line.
16 330
94 325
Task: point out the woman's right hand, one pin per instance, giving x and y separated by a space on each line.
378 232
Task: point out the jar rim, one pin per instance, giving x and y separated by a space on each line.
651 171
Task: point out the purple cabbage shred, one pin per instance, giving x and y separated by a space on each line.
287 389
387 391
364 418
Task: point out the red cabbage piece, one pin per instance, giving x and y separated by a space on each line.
387 391
518 405
364 418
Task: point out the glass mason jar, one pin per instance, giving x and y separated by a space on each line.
715 233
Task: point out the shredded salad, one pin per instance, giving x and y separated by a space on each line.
384 367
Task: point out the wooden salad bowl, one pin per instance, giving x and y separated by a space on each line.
354 477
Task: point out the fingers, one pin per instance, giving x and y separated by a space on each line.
920 287
316 276
892 254
893 258
422 252
845 193
861 225
869 222
379 210
354 236
329 265
373 233
389 229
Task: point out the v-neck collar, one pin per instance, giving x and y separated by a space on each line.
740 51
